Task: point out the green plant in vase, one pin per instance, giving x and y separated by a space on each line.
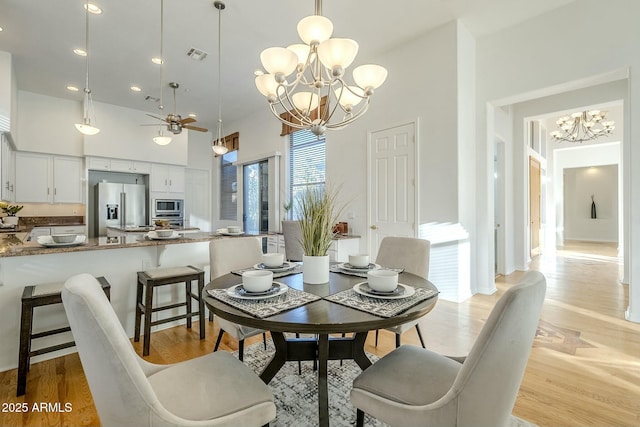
10 210
319 211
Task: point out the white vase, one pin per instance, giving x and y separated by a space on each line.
315 269
10 220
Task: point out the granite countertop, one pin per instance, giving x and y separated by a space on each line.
12 245
145 228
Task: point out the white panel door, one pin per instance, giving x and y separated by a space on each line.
67 180
33 177
392 178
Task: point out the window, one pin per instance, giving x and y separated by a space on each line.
229 187
307 160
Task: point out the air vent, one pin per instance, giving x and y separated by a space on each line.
151 98
196 54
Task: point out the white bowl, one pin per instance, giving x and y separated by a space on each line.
359 260
64 238
233 229
164 233
382 280
257 280
273 259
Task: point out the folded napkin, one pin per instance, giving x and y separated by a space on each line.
296 270
262 308
337 269
378 306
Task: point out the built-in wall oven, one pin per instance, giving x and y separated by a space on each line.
169 209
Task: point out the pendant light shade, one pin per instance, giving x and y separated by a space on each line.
86 128
161 138
278 60
315 29
337 53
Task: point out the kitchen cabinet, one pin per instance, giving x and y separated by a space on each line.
275 244
118 165
339 250
69 229
7 167
167 179
42 178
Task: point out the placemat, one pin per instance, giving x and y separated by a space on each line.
262 308
296 270
336 269
380 307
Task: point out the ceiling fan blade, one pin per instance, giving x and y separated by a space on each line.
187 120
156 117
195 128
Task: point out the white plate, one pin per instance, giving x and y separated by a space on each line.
48 242
408 291
284 267
154 236
234 294
348 267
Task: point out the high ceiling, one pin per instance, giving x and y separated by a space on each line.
41 35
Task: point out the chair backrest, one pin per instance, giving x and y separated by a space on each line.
490 377
229 254
292 240
118 383
405 252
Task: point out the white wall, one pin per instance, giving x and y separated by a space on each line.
524 60
580 184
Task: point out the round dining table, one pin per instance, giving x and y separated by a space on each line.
321 318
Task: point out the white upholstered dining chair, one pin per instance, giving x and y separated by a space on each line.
225 256
212 390
412 386
412 255
292 240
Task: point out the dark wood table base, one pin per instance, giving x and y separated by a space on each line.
322 349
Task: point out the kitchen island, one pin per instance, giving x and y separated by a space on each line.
118 259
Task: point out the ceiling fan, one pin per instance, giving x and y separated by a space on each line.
174 122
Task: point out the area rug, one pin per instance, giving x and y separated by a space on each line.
296 395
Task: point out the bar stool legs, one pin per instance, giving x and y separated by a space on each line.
39 296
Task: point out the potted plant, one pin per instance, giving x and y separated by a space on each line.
11 211
318 212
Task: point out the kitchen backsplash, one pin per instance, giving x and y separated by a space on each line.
47 210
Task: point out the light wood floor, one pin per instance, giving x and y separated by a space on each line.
584 369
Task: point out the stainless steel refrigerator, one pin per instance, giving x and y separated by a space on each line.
120 205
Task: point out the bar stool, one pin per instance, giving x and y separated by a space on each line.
147 282
38 296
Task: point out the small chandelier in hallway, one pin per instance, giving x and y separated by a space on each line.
582 126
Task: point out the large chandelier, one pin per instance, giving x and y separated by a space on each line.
317 96
582 126
86 127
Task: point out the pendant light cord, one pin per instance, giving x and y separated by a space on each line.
161 107
220 142
87 91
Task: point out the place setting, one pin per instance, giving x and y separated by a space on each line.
382 294
260 296
275 263
61 240
162 234
359 265
232 230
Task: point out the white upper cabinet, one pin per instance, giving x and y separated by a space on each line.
7 169
118 165
167 179
41 178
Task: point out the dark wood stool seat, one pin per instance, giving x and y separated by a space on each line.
38 296
148 280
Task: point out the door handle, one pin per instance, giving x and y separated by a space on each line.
373 227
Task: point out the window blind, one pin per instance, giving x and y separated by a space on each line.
307 163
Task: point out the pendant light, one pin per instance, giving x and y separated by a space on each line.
161 138
86 127
219 146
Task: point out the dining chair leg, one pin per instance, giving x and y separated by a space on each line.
359 418
343 335
377 331
420 335
299 362
397 340
264 340
241 350
211 316
218 340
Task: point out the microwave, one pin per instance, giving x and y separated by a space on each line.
168 208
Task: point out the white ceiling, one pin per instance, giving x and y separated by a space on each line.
42 34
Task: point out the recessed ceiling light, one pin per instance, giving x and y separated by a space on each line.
80 52
157 60
135 88
92 8
1 29
258 72
192 115
72 88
